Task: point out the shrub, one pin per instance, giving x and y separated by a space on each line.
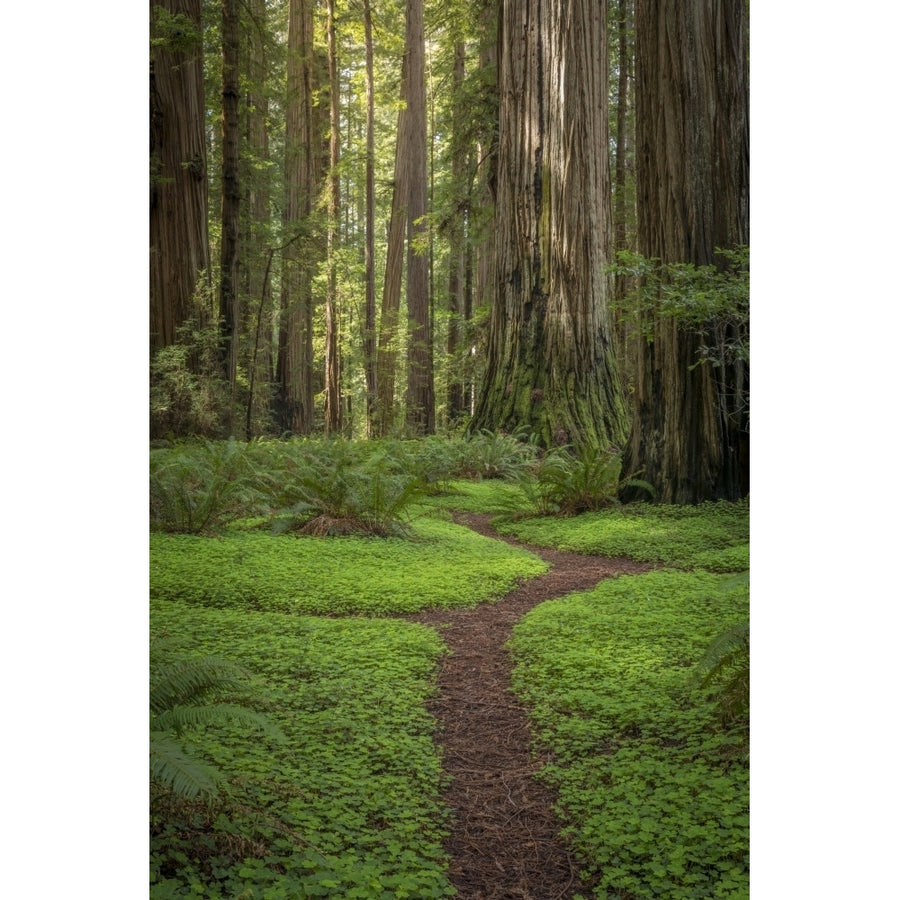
568 483
341 487
200 486
188 394
489 454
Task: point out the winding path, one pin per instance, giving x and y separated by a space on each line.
505 842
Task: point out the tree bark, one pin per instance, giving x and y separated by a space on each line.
551 367
179 237
332 357
690 436
457 282
420 368
229 306
369 326
302 171
255 276
620 216
393 274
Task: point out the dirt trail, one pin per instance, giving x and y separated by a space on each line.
505 841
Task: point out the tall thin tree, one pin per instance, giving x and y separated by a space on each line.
420 367
388 333
229 298
302 167
369 343
458 250
332 356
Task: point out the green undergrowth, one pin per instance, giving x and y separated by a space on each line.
492 496
653 790
347 804
444 566
711 536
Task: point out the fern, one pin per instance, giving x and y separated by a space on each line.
568 484
725 671
184 681
183 774
201 485
331 487
186 694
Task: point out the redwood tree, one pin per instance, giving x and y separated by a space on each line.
179 237
551 366
229 306
691 428
302 167
420 369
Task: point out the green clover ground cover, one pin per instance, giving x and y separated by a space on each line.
655 795
445 566
349 804
710 536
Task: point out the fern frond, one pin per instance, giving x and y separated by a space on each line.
640 484
187 680
725 668
172 767
727 649
179 718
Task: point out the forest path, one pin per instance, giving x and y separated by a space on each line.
505 842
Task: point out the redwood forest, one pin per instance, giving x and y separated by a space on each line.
449 449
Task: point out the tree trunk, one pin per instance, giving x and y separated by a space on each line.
256 274
620 216
550 362
229 308
691 431
456 399
179 237
393 275
369 326
332 358
301 154
420 368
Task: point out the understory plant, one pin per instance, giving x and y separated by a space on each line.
712 300
496 454
724 670
189 693
188 394
349 804
653 791
567 482
444 565
200 486
341 487
713 536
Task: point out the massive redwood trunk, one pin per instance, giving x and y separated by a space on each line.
179 239
551 366
691 429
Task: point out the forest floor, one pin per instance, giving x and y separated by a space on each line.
505 842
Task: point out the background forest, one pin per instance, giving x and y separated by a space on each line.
420 217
